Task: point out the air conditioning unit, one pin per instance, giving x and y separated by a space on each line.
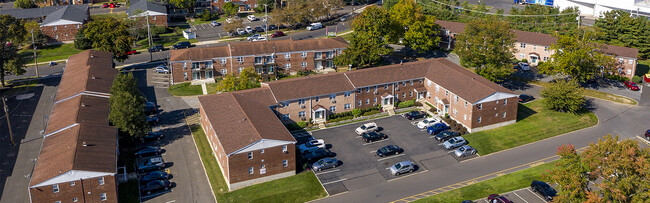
240 63
333 101
285 151
303 118
397 89
288 59
303 106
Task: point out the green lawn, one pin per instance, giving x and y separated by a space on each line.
534 123
186 89
50 53
299 188
166 39
498 185
128 192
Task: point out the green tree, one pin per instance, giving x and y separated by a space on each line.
622 29
564 95
125 83
24 4
544 19
233 25
488 46
39 38
418 31
127 106
12 34
183 4
571 176
365 50
261 3
81 42
388 4
578 56
230 9
108 34
247 79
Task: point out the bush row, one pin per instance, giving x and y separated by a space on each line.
617 77
353 113
455 126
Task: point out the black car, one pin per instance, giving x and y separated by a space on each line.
150 108
148 151
151 136
273 27
437 128
647 134
156 48
544 189
445 135
317 155
389 150
156 175
154 186
414 115
525 98
182 45
258 29
373 136
153 120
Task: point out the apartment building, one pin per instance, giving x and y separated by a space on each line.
596 8
78 159
58 23
243 5
537 47
202 65
155 11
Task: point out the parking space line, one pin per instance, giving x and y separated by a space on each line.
486 201
328 172
451 151
369 143
407 176
336 181
373 151
644 140
357 137
513 192
172 201
399 155
441 143
535 194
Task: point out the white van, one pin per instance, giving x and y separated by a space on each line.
314 26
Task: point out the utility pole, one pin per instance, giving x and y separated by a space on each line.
150 42
35 58
11 135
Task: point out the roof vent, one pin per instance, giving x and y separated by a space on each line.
83 105
85 144
93 77
92 56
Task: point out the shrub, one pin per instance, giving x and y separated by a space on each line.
616 77
302 124
405 104
564 96
462 131
446 115
372 112
636 79
340 119
357 112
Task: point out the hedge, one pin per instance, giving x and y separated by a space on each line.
372 112
341 119
636 79
406 104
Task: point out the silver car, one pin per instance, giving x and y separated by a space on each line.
454 142
465 150
325 163
402 167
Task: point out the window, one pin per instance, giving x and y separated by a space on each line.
456 98
465 117
374 100
437 87
301 101
100 180
55 188
479 106
545 58
631 61
74 199
359 102
303 64
250 155
505 101
403 94
57 201
287 66
78 26
497 101
386 86
303 54
421 81
185 76
367 89
251 170
286 104
285 163
56 36
54 27
367 101
72 183
521 55
284 148
465 104
261 151
629 71
316 99
259 60
302 114
410 94
102 196
446 93
496 114
347 106
154 18
621 60
333 108
223 61
224 71
411 82
66 35
545 48
332 96
240 59
522 45
479 119
404 83
346 94
287 55
504 114
285 117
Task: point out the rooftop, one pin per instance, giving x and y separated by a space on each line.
90 71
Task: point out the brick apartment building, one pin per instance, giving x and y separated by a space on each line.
58 23
156 12
536 47
78 159
267 57
243 5
246 131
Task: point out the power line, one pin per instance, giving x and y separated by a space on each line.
498 14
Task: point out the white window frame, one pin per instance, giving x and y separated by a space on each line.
101 181
251 170
522 45
55 188
303 64
286 117
72 184
224 71
332 96
223 61
284 149
287 55
240 59
302 114
285 163
479 106
479 119
347 106
504 114
261 151
102 196
250 155
347 94
332 108
303 54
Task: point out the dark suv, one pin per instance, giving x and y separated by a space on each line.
445 135
156 48
182 45
647 134
544 189
373 136
317 155
414 115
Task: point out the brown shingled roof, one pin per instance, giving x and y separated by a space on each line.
388 74
534 38
243 117
621 51
453 27
198 53
80 109
309 86
90 70
462 82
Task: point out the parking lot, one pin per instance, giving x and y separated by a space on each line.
206 31
359 164
522 195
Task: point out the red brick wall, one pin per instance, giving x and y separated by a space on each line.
87 188
625 66
272 159
62 32
492 112
219 4
217 148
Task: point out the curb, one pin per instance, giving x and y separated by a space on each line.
199 153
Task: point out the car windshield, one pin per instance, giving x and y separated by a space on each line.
363 127
384 149
452 141
462 149
321 162
425 121
398 166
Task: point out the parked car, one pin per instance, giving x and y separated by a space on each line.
524 66
445 135
107 5
182 45
317 155
162 69
153 120
150 163
241 31
427 122
464 151
131 52
389 150
437 128
148 151
496 198
155 175
252 18
154 186
373 136
454 142
52 63
156 48
525 98
647 134
543 189
325 163
318 143
151 136
150 108
277 34
402 167
366 128
253 37
258 29
631 85
273 27
215 23
314 26
414 115
260 39
249 30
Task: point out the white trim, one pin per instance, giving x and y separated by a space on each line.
72 175
261 144
62 22
89 93
495 97
62 129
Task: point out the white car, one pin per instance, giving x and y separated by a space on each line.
260 39
249 30
253 37
427 122
524 66
215 23
241 31
319 143
229 20
366 128
162 69
252 18
314 26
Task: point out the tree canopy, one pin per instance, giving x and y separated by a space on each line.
260 5
127 106
11 36
230 9
247 79
24 4
108 34
487 46
303 11
622 29
564 95
233 25
182 4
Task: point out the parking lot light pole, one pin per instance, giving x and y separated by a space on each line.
266 18
11 135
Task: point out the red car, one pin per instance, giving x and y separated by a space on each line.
631 85
277 34
495 198
131 52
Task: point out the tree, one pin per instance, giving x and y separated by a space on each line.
127 106
564 95
546 20
419 31
388 4
81 42
11 35
260 5
377 22
183 4
488 46
233 25
108 34
247 79
578 56
621 28
365 50
302 11
39 38
621 164
230 9
24 4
